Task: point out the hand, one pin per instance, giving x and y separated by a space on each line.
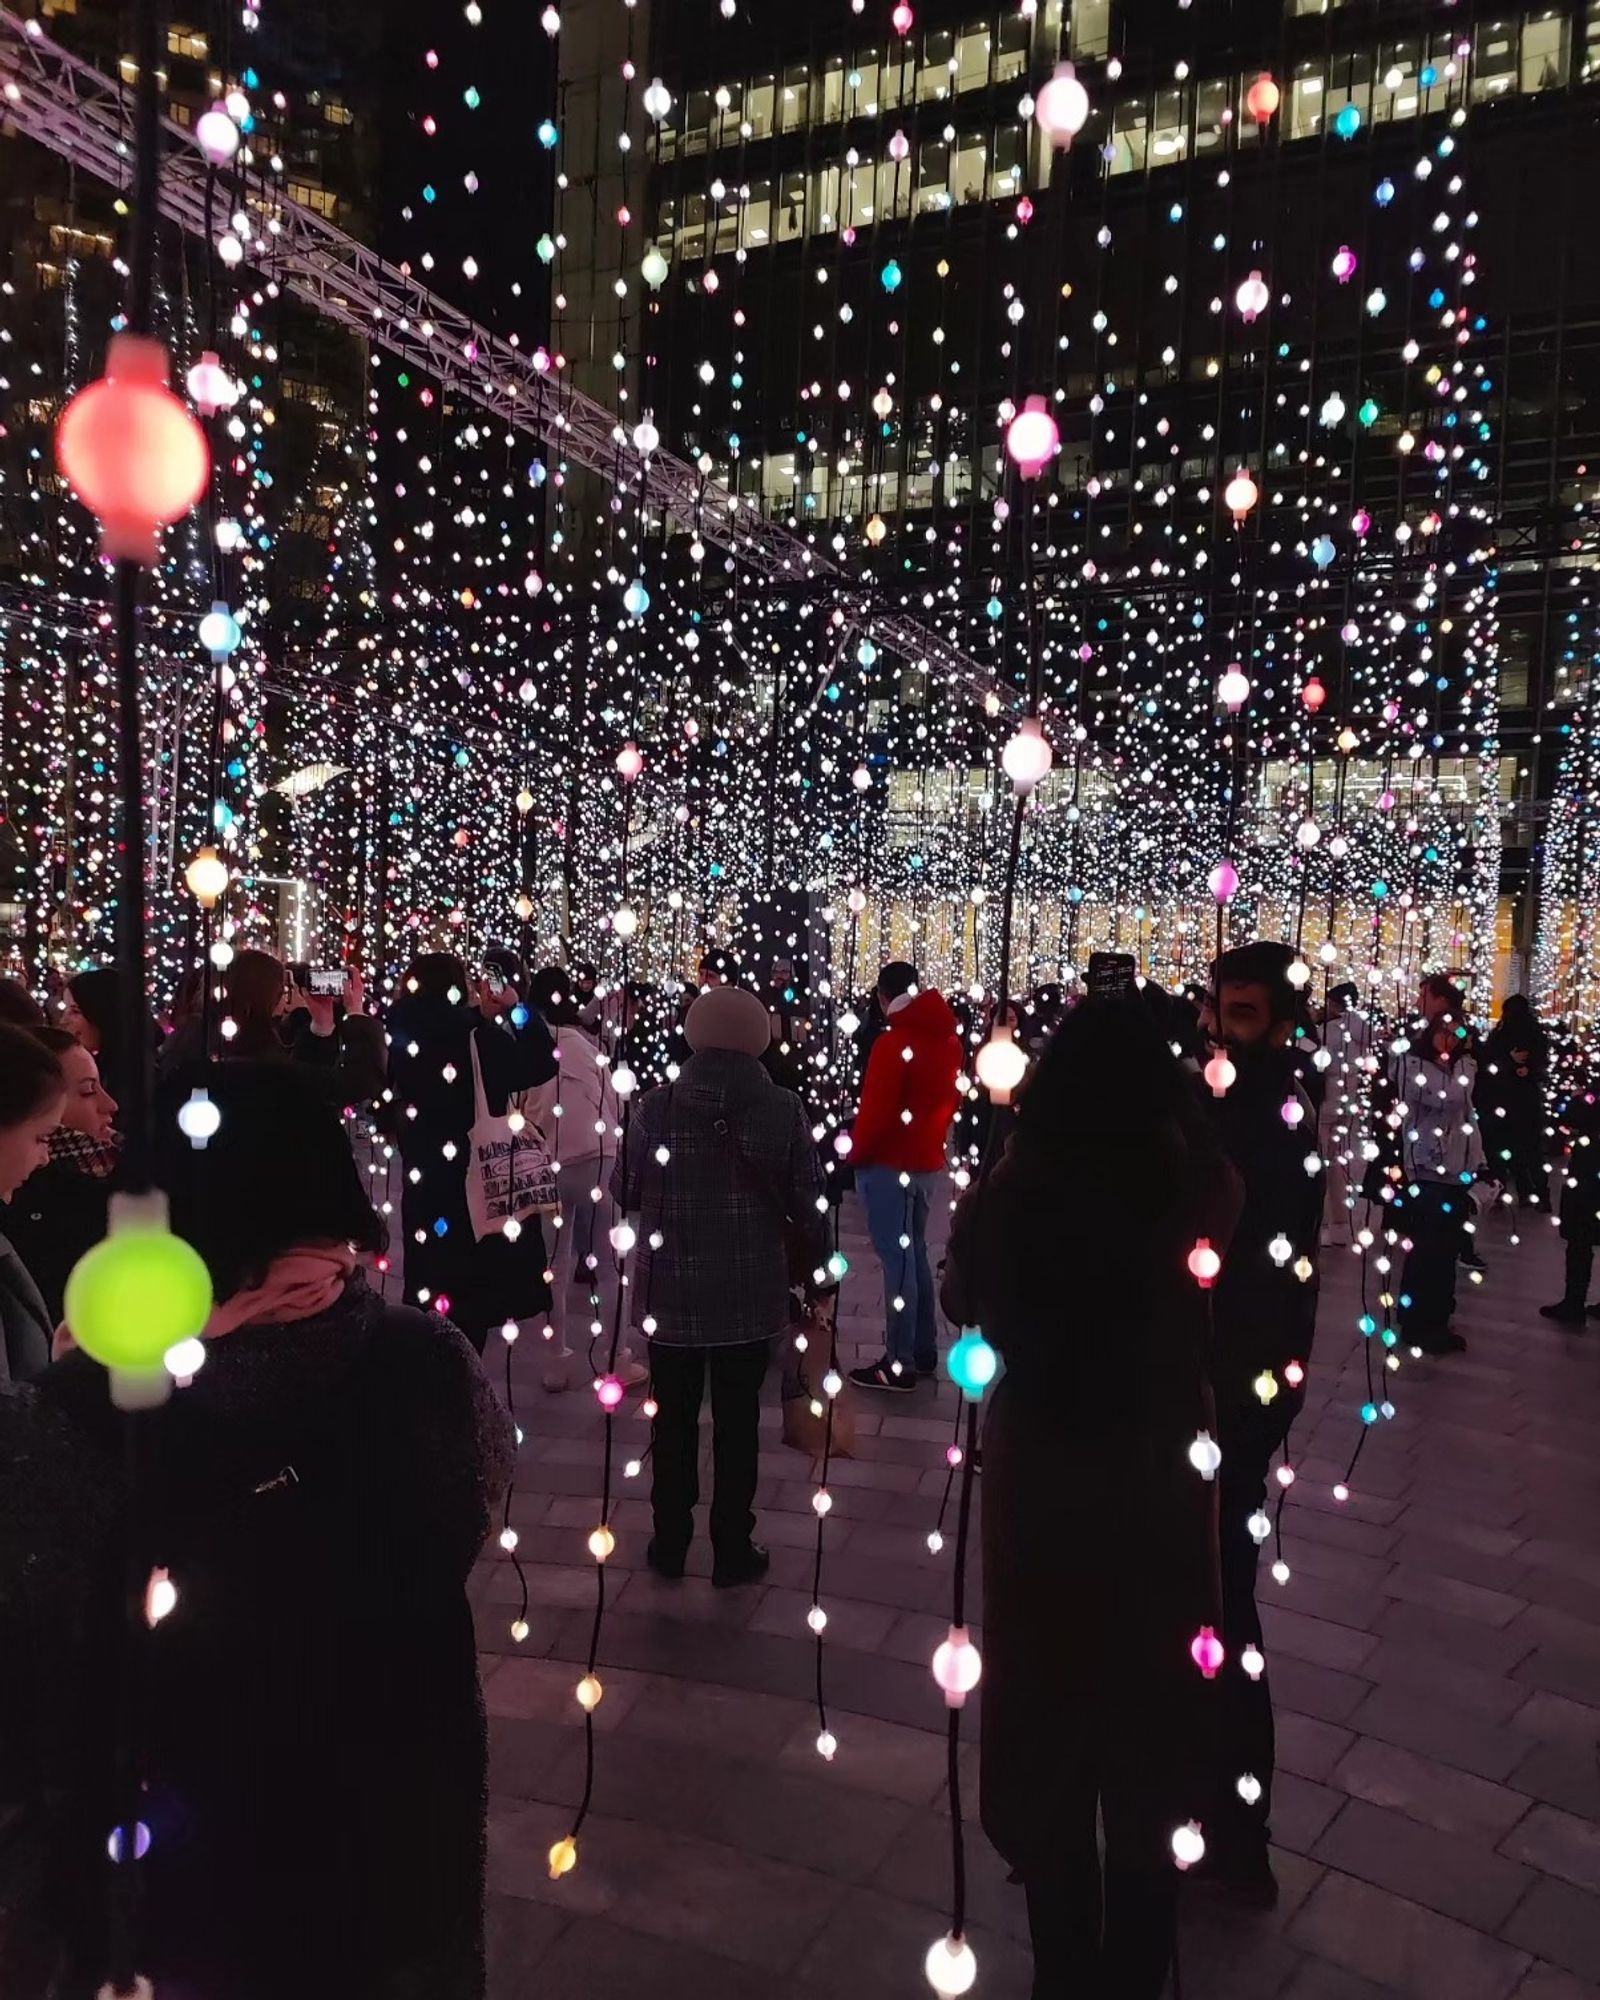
493 1001
320 1007
355 992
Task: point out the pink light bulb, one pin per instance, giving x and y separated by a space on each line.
902 19
1344 263
1206 1650
1224 881
1204 1263
610 1391
1032 437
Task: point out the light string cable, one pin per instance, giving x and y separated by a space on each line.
137 1112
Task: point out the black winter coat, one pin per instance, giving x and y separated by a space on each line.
1099 1538
314 1731
1264 1312
53 1218
430 1109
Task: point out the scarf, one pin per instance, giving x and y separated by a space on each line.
85 1155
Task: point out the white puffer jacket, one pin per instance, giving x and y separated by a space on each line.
587 1127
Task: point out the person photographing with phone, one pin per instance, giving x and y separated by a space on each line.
267 1011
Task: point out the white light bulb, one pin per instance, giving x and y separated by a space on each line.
1188 1845
950 1967
625 921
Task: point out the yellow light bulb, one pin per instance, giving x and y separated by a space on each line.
589 1693
563 1858
601 1543
207 877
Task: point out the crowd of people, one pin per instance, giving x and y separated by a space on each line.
1140 1237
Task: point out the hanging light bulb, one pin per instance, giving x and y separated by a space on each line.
653 268
950 1967
657 100
1223 881
1220 1075
1252 298
1001 1064
957 1666
207 876
211 387
1262 99
1204 1267
1233 690
1062 107
1027 757
1333 410
1313 694
1207 1652
216 135
219 631
131 451
1345 263
646 438
1205 1454
1032 437
1240 495
630 762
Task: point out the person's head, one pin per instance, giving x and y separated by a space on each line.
505 968
18 1006
1107 1076
32 1091
1253 1004
436 975
895 981
1517 1014
716 968
554 993
255 991
90 1008
89 1107
1439 996
728 1017
1342 998
586 978
278 1175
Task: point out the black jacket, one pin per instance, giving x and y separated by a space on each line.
430 1109
55 1216
1263 1311
314 1733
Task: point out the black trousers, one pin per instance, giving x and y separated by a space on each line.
1580 1267
678 1379
1247 1740
1432 1219
1109 1939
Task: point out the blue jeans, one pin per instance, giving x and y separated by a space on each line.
911 1334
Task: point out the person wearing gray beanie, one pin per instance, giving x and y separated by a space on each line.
719 1175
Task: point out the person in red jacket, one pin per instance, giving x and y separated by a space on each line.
908 1100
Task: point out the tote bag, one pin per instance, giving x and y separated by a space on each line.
510 1173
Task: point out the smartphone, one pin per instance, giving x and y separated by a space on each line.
325 980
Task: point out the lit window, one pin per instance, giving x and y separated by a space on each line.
187 42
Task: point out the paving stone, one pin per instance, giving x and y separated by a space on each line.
1301 1811
1320 1691
1549 1982
1309 1748
1455 1737
1439 1796
1561 1775
1463 1640
1317 1980
1561 1924
874 1944
1554 1719
1559 1843
1426 1669
1291 1633
1457 1876
1401 1946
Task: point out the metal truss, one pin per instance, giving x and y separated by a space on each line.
86 117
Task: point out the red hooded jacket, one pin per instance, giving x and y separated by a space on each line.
909 1095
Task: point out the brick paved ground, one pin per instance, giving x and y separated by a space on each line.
1436 1661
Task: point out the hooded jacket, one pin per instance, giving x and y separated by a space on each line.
909 1095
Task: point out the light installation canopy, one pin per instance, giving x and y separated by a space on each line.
792 735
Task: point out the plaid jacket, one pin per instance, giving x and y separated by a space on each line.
721 1273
